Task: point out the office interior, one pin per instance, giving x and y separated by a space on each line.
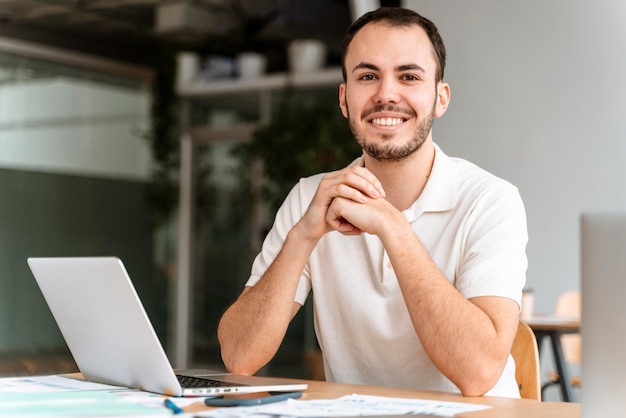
537 92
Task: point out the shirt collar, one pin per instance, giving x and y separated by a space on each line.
439 193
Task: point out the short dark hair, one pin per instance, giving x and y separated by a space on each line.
397 16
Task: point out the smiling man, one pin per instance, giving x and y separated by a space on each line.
416 259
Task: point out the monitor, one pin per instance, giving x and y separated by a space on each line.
603 320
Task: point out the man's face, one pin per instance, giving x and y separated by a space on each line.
390 96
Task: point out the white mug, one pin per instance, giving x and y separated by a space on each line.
528 302
251 64
188 67
306 55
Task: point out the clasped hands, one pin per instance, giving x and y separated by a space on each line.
350 201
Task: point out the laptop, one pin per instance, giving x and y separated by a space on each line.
111 338
603 319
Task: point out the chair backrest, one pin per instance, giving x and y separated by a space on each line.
526 356
569 304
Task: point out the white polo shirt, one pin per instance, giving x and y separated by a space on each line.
472 224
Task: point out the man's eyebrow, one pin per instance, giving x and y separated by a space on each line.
365 65
407 67
399 68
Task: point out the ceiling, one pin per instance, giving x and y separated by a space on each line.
131 31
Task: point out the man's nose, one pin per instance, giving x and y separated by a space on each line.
388 91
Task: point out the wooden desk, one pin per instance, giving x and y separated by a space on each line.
553 327
501 407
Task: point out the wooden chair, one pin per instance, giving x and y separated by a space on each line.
526 356
568 304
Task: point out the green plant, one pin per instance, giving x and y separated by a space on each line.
162 189
307 134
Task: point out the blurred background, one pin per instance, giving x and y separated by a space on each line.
92 110
164 132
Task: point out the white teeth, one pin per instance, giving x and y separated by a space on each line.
387 121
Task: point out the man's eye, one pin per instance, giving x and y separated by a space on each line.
367 77
410 77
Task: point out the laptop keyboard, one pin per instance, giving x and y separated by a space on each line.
200 382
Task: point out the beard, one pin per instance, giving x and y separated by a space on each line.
387 151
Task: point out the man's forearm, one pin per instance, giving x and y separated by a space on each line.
252 329
469 342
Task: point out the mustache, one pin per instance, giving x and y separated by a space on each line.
386 108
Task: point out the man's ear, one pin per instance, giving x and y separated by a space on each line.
342 100
443 99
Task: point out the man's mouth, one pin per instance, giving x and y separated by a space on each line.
387 121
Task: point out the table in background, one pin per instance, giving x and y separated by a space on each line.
500 407
553 327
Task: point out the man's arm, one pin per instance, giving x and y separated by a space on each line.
468 340
253 327
251 330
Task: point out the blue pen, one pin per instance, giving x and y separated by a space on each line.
171 405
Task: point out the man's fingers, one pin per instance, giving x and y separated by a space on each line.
355 183
335 219
347 228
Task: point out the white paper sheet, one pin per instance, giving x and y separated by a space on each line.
51 383
351 405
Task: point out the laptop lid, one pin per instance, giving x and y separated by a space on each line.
110 336
603 290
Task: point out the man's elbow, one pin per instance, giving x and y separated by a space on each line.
237 362
474 390
238 367
231 357
480 382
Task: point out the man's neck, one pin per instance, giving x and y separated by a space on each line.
404 180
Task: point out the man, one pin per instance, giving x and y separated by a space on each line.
416 260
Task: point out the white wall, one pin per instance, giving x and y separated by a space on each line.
538 98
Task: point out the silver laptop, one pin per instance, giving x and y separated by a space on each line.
603 319
111 338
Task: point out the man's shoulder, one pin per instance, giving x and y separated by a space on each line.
470 174
473 183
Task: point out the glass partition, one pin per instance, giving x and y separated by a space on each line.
73 169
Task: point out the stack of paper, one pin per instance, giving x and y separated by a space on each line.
59 396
